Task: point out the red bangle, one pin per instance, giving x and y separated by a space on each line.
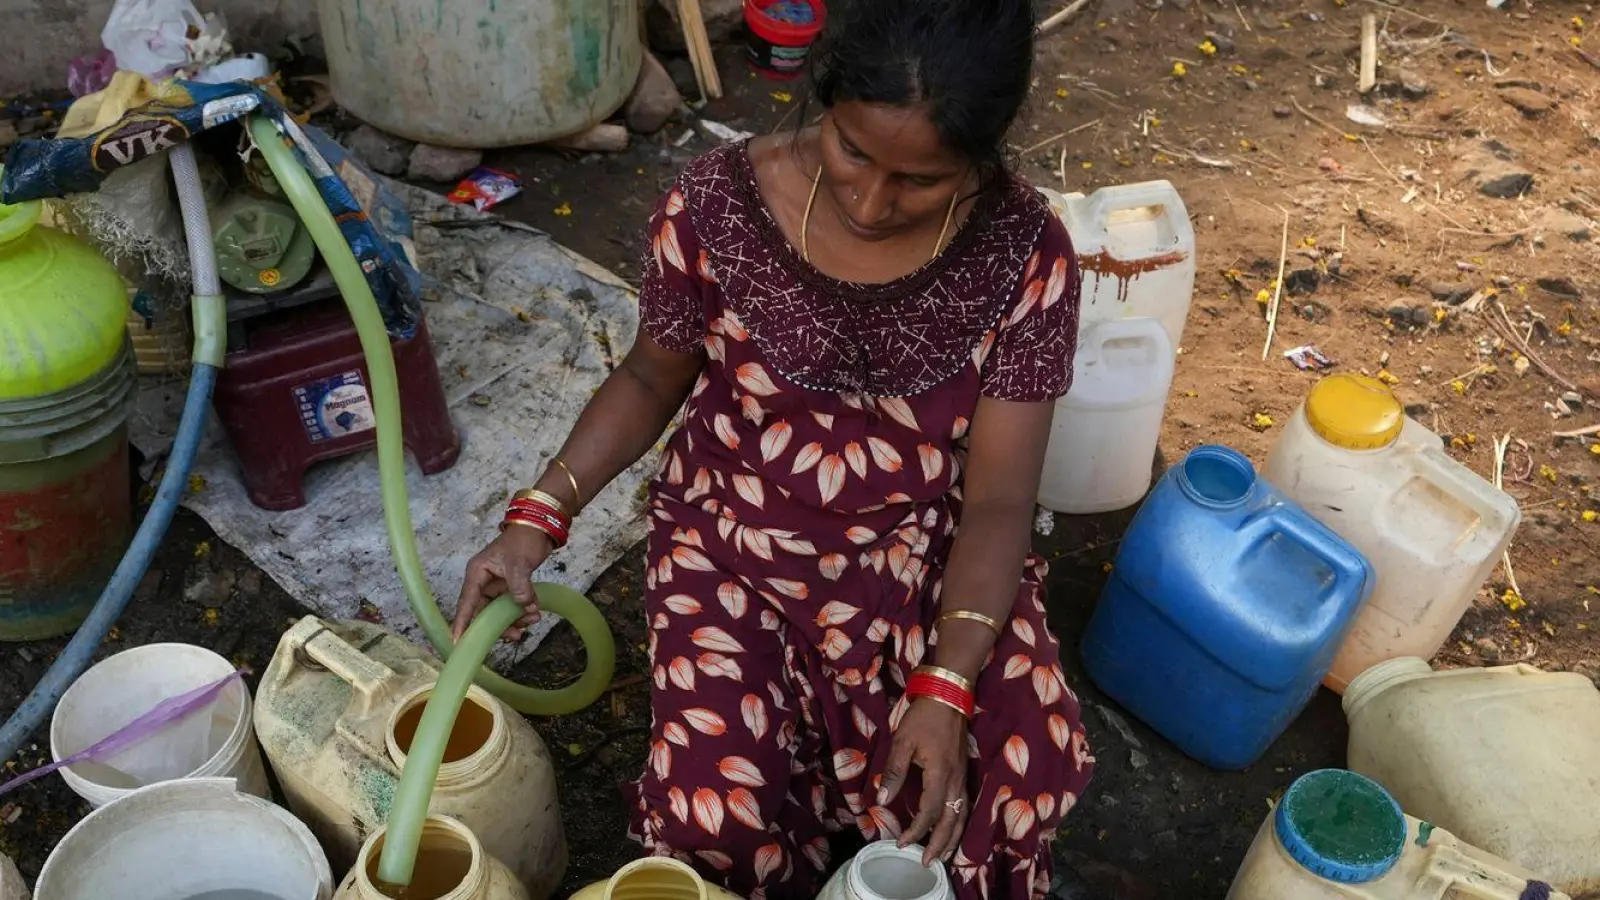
538 507
546 524
933 687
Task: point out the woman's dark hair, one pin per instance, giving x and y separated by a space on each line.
969 61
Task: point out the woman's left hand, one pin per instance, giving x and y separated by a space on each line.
933 737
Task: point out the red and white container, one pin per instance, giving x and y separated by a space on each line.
779 49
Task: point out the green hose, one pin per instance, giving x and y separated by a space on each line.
422 761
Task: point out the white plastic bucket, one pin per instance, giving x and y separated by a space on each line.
217 741
187 840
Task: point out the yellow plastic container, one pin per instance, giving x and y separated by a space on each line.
1508 758
451 865
654 878
1336 835
1432 528
335 713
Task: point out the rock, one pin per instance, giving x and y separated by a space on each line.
1118 724
212 588
1490 167
1138 759
1561 286
682 71
1487 650
1406 84
446 164
1568 224
1223 42
654 100
1302 281
1450 292
1507 187
1530 103
665 29
1282 112
382 153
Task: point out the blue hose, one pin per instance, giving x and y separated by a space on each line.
210 315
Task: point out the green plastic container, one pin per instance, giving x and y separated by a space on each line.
66 387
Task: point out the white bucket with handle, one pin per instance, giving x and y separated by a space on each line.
194 839
214 741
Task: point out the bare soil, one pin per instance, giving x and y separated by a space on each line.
1390 243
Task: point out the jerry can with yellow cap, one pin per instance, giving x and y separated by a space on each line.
1431 528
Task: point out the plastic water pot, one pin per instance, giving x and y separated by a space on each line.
1223 611
1431 528
654 878
883 871
12 886
451 865
66 387
1135 250
215 742
187 839
482 73
1337 835
336 722
1107 427
1507 758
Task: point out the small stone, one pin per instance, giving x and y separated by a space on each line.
443 164
212 588
1118 724
1222 41
1108 801
382 153
1383 360
1561 286
1573 399
1450 292
1566 223
1138 759
1487 650
654 100
250 583
1507 187
1530 103
1282 112
1406 84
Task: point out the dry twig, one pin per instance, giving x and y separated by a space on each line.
1277 291
1500 446
1056 137
1507 329
1050 25
1578 433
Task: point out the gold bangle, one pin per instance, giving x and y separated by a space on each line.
949 675
940 700
539 496
971 616
577 495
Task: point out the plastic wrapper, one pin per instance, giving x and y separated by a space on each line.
373 221
486 188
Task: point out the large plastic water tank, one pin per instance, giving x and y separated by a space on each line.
482 73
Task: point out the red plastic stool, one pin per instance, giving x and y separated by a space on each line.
297 394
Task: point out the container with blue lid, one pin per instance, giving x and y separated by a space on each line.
1341 826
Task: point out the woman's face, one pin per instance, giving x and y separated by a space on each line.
886 170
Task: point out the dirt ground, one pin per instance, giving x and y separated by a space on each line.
1399 264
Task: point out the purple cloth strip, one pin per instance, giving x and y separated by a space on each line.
168 711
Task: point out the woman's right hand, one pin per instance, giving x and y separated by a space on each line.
506 566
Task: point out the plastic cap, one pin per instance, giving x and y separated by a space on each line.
1354 412
1341 826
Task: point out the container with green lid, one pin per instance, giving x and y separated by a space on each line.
66 387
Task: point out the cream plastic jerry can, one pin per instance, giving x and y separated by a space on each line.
1337 835
654 878
1507 758
335 714
1135 248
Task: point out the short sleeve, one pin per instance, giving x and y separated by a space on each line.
674 278
1033 348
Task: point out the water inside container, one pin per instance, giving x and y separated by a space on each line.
897 878
439 870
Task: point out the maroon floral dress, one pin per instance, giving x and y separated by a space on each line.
799 529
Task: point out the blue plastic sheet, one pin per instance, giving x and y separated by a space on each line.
374 221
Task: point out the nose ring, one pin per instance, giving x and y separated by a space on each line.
855 195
